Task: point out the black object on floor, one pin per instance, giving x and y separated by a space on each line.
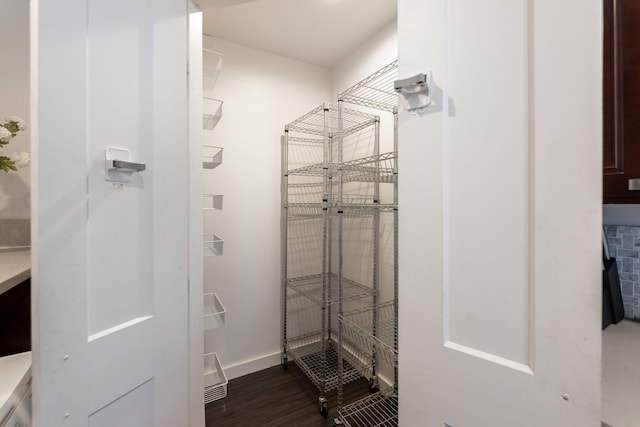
613 307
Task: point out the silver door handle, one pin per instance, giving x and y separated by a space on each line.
416 91
125 166
634 184
119 167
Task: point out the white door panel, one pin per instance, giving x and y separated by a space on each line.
120 223
500 212
110 264
486 203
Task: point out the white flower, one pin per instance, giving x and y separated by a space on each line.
21 159
5 135
17 120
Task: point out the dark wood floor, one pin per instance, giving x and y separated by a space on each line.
274 398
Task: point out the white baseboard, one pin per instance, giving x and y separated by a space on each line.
384 382
250 366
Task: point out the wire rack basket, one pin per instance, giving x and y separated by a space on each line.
211 156
212 245
358 328
212 202
211 112
380 168
215 381
211 66
379 409
214 311
306 352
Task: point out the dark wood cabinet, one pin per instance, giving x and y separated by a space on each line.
15 319
621 100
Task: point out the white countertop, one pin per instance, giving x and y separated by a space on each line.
15 267
13 370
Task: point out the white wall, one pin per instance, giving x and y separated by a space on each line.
378 51
261 92
14 101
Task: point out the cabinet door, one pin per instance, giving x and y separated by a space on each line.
621 79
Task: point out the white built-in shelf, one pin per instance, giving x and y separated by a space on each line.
211 112
212 202
213 245
211 66
213 311
215 381
211 157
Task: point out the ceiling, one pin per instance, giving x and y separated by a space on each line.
320 32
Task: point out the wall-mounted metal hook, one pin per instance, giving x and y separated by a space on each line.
416 91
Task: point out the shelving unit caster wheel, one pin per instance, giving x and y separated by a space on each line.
324 410
373 384
285 362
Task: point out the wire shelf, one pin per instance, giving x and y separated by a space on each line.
211 156
379 409
214 311
311 287
303 142
358 328
212 202
304 211
316 169
211 112
365 169
375 91
215 381
380 167
313 123
306 352
212 245
352 210
211 66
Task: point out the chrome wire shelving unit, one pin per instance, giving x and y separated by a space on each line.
371 329
312 202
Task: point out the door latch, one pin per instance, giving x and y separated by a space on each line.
416 91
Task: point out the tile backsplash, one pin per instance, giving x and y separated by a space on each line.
15 233
624 245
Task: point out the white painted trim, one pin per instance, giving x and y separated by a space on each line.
118 328
384 382
489 357
196 280
250 366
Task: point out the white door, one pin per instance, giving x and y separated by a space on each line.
110 264
500 201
